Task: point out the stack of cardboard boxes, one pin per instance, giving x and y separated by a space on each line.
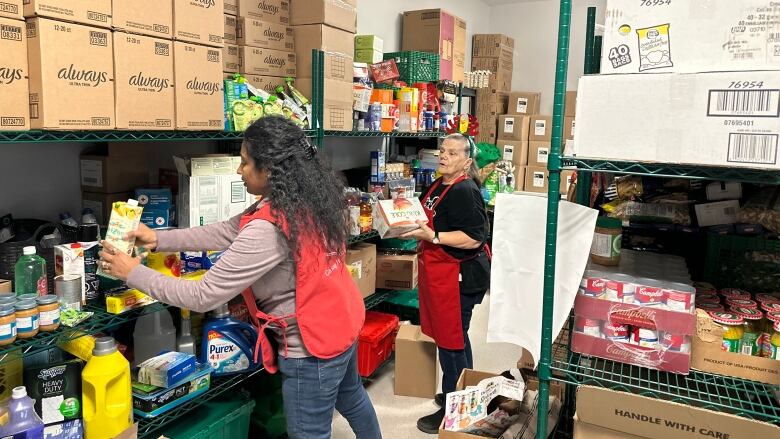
329 26
437 31
259 42
493 52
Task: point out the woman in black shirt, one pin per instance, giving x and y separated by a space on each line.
454 267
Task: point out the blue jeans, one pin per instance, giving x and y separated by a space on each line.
454 361
312 388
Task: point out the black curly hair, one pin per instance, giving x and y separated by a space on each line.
303 187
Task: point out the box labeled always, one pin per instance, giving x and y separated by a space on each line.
524 103
89 12
198 83
230 59
361 261
267 83
143 82
396 272
14 82
340 14
266 62
393 218
11 9
274 11
514 127
231 7
253 32
70 63
231 30
416 368
148 17
198 21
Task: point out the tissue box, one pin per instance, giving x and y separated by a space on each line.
393 218
166 369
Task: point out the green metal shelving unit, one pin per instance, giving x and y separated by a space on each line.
720 393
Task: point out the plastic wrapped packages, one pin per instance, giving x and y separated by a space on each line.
674 213
763 208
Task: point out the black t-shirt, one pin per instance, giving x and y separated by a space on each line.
463 209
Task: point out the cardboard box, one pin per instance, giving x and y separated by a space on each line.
491 45
14 91
416 368
639 40
146 17
393 218
540 129
198 78
274 11
231 30
721 212
369 42
492 97
396 272
362 260
501 68
570 105
266 62
538 153
513 127
100 203
519 175
231 7
536 179
114 167
253 32
70 63
707 118
143 82
338 45
12 9
656 418
267 83
90 12
340 14
437 31
524 103
231 62
707 355
199 22
337 103
569 125
5 286
583 430
368 56
515 151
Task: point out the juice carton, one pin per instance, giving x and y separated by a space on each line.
393 218
69 259
125 218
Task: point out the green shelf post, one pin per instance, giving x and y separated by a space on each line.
553 200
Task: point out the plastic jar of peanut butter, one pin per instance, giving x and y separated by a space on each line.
49 312
7 325
26 318
605 249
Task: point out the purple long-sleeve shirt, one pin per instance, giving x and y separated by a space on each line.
257 256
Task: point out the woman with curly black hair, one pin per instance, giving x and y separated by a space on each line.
285 255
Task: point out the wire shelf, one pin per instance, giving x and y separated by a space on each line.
674 171
219 385
121 136
745 398
378 297
420 135
362 237
98 322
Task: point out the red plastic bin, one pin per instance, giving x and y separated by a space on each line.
375 343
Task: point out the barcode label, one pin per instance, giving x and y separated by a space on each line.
773 37
747 349
753 148
754 103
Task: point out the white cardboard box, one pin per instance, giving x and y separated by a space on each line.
721 212
690 36
718 119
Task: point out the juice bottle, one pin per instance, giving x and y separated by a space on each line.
30 273
107 400
23 422
125 218
366 215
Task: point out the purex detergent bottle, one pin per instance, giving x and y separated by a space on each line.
228 344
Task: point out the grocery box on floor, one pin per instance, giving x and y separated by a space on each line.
375 343
396 272
266 62
393 218
437 31
514 127
198 84
143 82
416 368
524 103
253 32
490 45
231 30
114 167
146 17
662 39
14 94
361 260
655 418
222 418
707 355
720 126
89 12
274 11
199 22
12 9
341 14
70 63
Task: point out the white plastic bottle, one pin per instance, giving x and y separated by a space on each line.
154 332
68 220
88 216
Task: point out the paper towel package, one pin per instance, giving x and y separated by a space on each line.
719 119
653 36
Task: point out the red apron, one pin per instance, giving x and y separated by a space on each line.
439 286
328 305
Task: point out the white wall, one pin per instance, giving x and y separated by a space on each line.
534 26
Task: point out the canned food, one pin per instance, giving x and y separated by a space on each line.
679 297
734 293
615 332
710 307
620 288
741 303
591 327
676 342
649 292
593 283
646 338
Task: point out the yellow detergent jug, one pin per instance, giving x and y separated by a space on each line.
107 400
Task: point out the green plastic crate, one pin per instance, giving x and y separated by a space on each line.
726 265
414 66
405 304
398 244
222 419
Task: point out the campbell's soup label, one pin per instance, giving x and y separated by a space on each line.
594 286
591 327
677 300
646 338
649 296
616 332
676 342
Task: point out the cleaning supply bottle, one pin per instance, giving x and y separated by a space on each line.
30 273
154 333
185 342
228 344
23 422
106 396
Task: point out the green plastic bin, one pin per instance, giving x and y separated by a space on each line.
404 304
726 263
222 419
414 66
